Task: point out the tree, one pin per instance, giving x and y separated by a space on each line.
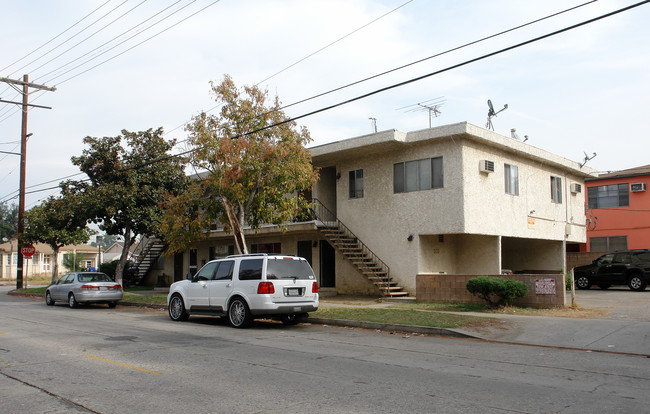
56 222
107 241
8 221
74 261
127 184
255 167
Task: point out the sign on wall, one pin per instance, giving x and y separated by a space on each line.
545 286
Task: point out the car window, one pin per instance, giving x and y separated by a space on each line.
224 271
642 257
278 268
94 277
69 278
206 271
250 269
621 258
606 259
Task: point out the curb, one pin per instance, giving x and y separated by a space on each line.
426 330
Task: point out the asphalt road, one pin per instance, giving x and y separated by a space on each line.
126 360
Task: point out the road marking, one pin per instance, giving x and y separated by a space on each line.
125 365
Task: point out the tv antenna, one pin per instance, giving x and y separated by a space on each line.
432 106
513 134
492 113
374 124
587 158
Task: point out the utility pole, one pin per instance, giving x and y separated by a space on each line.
23 158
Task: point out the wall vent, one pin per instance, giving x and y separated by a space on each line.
576 188
486 166
637 187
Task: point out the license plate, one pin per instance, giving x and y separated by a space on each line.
293 292
103 288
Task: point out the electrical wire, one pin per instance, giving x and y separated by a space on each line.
409 81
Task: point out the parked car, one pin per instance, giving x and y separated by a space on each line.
630 267
243 287
84 287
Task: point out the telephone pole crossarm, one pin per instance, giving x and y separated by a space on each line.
28 84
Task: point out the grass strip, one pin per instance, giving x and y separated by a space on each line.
397 316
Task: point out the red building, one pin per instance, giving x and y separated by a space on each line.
618 210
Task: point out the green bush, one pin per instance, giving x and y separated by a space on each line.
496 291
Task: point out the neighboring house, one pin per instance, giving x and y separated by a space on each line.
456 199
114 252
618 210
43 259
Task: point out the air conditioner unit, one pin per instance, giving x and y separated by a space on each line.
576 188
486 166
637 187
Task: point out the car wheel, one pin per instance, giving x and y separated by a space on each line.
291 319
48 299
636 283
112 305
238 314
603 287
583 282
72 301
177 310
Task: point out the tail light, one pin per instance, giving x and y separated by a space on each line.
314 287
116 287
265 288
89 287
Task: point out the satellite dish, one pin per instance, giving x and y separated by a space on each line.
492 113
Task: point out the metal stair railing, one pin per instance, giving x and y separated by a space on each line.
328 218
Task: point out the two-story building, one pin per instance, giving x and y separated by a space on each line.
618 210
456 199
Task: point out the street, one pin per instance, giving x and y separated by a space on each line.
124 360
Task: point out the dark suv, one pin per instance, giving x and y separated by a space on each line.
630 267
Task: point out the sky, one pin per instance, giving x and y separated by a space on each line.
582 91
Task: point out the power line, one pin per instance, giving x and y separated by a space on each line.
416 79
403 66
55 37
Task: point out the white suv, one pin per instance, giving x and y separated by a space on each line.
247 286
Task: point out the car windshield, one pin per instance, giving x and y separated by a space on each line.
94 277
288 269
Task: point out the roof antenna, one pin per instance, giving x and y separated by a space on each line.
492 113
374 124
431 105
513 134
587 158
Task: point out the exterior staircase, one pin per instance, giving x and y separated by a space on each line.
147 253
353 249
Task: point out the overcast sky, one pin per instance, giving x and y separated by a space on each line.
585 90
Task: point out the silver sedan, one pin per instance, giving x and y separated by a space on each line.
84 287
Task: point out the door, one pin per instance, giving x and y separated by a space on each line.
305 250
221 287
327 265
178 267
198 292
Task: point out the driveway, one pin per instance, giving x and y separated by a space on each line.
619 302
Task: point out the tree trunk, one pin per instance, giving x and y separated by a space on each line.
119 270
238 234
55 266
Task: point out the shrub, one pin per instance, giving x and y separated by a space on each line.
496 291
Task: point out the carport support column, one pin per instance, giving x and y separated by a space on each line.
500 253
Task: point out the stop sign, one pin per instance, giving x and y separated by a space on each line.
28 251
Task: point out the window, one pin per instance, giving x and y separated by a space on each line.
556 189
607 244
355 184
606 196
417 175
207 271
250 269
35 259
511 174
224 272
269 248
